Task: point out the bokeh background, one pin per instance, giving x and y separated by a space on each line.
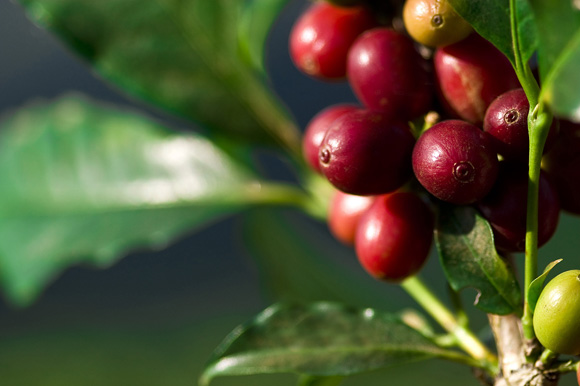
155 317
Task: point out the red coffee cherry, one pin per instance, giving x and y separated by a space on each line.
345 213
562 164
505 208
455 161
394 236
470 75
506 120
367 153
387 74
321 37
316 130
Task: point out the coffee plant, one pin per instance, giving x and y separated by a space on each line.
465 139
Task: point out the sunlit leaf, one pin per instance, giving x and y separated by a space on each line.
84 183
491 19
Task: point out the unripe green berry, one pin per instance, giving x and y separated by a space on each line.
557 314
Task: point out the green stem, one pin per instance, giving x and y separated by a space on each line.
548 357
568 367
523 71
466 339
538 126
288 195
537 131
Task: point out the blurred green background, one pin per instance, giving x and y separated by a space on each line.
155 317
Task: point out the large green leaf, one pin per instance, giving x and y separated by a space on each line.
83 182
559 55
321 339
468 256
311 380
491 19
194 58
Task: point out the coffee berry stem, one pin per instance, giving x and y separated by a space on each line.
465 338
539 121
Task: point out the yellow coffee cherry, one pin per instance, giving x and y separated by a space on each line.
434 23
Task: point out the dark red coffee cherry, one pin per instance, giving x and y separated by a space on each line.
316 129
387 74
562 164
506 120
455 161
394 236
470 75
505 208
321 37
367 153
345 213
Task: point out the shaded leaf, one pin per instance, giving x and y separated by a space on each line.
253 30
84 183
184 56
321 339
491 19
309 380
537 284
464 240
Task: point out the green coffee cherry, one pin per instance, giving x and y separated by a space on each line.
557 314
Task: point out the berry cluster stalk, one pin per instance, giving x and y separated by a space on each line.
539 121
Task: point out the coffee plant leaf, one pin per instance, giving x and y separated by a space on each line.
85 183
253 30
320 339
557 22
464 240
558 55
193 58
491 19
309 380
537 284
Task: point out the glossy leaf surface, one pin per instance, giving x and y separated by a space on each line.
195 58
491 19
468 256
559 55
83 182
320 339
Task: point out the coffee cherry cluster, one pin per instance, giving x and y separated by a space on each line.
390 162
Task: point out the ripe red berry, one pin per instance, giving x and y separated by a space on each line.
506 120
454 161
470 75
345 213
321 37
367 153
316 129
387 74
505 208
394 236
